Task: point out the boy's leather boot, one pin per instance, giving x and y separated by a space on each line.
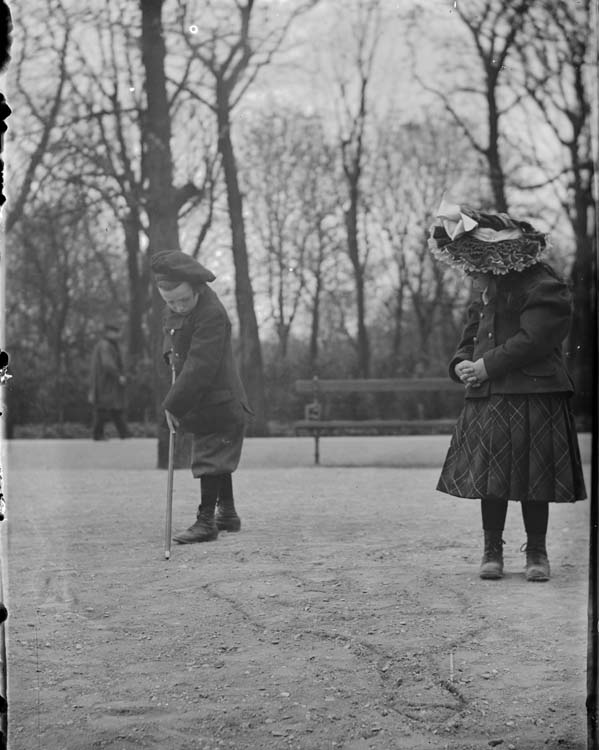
491 567
204 529
226 515
537 562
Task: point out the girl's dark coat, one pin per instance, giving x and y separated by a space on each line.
518 331
207 396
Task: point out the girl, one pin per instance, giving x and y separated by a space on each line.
207 398
515 438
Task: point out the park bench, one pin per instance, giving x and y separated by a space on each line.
316 425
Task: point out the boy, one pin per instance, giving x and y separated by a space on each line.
207 397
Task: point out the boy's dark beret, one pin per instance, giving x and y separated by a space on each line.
173 265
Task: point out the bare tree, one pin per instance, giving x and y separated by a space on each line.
416 163
324 258
288 195
391 182
353 86
47 46
556 62
66 283
106 146
494 28
163 200
269 172
226 48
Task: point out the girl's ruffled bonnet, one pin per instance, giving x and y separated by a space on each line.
479 242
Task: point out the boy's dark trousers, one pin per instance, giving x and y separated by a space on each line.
101 416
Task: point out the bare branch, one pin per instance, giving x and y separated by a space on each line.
15 213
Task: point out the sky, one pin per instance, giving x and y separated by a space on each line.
324 34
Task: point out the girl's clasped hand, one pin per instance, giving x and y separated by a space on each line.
472 373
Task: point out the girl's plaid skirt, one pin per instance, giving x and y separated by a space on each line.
516 447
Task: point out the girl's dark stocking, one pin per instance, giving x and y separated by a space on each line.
536 518
493 514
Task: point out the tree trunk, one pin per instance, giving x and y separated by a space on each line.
283 331
583 278
161 207
397 329
315 328
351 223
315 318
137 292
363 343
496 176
581 340
251 366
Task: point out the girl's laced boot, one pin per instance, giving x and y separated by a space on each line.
537 562
491 567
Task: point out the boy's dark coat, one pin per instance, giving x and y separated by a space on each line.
519 333
207 396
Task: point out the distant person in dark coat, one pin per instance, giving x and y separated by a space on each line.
107 383
207 398
515 438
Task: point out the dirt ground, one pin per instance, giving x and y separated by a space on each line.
347 613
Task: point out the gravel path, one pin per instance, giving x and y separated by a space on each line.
346 614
